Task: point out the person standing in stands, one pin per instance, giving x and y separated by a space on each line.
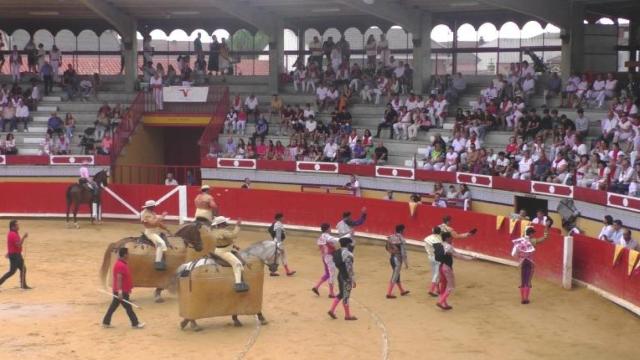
156 84
524 248
444 254
122 286
396 246
343 258
14 253
346 226
276 230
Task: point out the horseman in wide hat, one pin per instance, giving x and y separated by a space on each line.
206 207
225 247
153 223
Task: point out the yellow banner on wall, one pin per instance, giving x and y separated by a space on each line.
617 252
499 221
512 225
633 261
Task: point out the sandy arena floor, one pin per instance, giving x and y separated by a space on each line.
61 317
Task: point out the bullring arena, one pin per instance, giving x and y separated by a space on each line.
61 316
431 178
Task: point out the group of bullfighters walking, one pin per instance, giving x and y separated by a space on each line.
337 255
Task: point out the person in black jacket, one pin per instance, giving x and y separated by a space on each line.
444 254
343 259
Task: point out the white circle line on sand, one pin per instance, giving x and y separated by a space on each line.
379 323
252 340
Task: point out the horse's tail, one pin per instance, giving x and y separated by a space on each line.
106 262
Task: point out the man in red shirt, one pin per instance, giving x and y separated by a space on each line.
14 253
122 286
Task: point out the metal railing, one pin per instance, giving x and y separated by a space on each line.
212 130
155 174
127 126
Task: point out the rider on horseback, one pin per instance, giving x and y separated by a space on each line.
225 246
86 180
152 224
206 207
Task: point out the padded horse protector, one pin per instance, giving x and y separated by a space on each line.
141 261
207 291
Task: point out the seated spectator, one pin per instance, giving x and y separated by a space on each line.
457 87
70 82
610 87
570 90
582 124
624 130
322 93
450 162
8 116
261 150
525 167
61 145
169 180
279 151
262 129
608 126
597 91
22 115
55 124
435 160
251 106
528 87
401 127
330 151
299 79
105 145
86 88
230 121
46 144
381 153
554 87
344 152
356 77
622 178
629 243
559 169
438 202
420 122
389 119
617 233
230 148
533 123
359 154
10 145
102 124
586 171
241 123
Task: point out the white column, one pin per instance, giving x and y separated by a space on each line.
567 263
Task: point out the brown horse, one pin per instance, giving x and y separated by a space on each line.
142 257
81 194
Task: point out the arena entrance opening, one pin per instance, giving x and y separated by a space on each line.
530 205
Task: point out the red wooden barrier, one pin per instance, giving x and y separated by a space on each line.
593 259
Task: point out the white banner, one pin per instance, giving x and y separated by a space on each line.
185 94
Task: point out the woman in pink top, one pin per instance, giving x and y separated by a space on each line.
524 248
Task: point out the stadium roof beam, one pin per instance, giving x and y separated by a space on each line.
126 25
264 21
553 11
395 13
